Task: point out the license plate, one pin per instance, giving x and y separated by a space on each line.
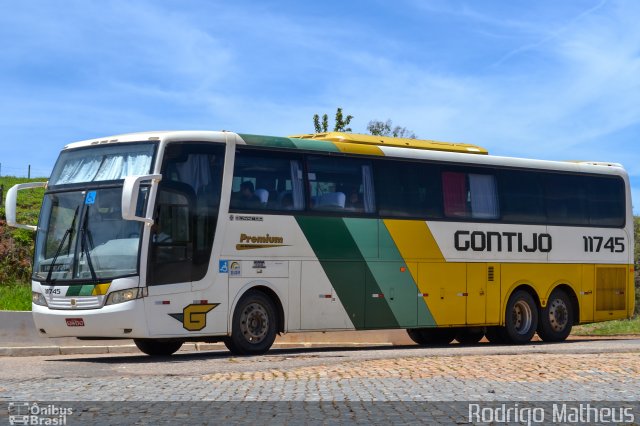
75 322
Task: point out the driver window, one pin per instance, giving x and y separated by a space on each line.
186 212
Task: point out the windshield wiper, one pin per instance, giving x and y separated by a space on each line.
68 232
84 247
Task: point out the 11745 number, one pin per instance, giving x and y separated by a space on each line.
598 244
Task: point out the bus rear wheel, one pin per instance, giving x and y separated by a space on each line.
432 336
556 319
153 347
254 325
521 319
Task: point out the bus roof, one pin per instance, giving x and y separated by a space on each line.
358 138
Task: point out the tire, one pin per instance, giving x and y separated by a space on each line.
432 336
521 318
153 347
469 336
496 335
556 319
254 325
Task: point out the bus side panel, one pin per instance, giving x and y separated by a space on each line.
483 293
444 286
587 293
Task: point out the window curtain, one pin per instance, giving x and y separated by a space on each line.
369 196
454 188
484 201
297 188
79 170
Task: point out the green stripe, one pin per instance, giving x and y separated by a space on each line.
270 141
315 145
389 251
399 289
279 142
86 290
347 271
74 290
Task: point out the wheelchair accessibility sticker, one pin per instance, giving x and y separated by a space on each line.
224 267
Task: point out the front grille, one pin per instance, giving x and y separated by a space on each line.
81 302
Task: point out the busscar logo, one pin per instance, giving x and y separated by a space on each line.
250 242
194 316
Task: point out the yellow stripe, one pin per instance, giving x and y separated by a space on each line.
100 289
415 242
351 148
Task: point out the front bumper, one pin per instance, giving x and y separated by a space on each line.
125 321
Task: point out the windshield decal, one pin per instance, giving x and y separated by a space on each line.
88 290
90 198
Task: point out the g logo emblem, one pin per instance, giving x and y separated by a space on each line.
194 316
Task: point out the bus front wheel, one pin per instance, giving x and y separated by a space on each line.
254 325
155 347
556 319
521 318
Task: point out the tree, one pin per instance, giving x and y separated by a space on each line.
341 122
385 128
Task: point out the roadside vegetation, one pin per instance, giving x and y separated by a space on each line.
16 246
16 254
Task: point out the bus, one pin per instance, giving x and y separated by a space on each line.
173 237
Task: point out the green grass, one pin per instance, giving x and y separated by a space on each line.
609 328
15 297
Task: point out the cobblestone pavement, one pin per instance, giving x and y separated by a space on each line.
577 371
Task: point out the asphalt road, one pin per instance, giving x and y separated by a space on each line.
369 379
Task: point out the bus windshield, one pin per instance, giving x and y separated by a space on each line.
102 163
82 236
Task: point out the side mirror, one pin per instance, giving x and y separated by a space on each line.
130 192
11 203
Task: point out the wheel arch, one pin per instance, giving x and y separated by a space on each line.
571 293
268 290
521 285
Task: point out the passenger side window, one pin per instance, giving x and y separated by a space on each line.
408 189
266 182
469 195
340 185
606 201
522 197
566 199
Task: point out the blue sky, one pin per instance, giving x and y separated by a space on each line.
544 79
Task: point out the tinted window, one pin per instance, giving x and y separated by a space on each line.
340 184
566 199
521 197
606 201
266 182
408 189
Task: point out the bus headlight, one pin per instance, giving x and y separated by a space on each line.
121 296
38 299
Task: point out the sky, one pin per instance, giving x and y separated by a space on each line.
536 79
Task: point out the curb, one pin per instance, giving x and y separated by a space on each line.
17 351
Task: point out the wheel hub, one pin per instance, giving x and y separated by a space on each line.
254 323
558 315
522 317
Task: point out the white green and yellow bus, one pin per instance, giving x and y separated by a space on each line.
168 237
